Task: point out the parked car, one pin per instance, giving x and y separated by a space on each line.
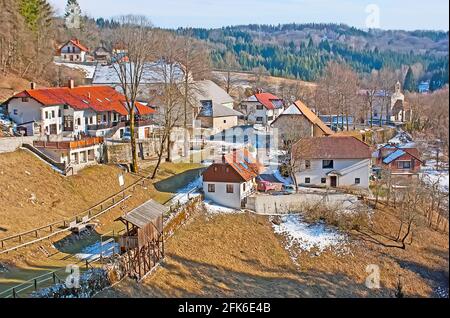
288 189
126 134
265 186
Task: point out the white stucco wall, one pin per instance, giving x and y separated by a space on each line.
231 200
350 168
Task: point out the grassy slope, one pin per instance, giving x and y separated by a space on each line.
21 174
240 256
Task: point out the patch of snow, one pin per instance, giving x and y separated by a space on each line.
310 237
189 191
88 70
93 251
214 208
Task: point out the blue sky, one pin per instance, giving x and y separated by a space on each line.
398 14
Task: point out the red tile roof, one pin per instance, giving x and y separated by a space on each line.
237 166
75 42
266 99
339 147
98 98
309 114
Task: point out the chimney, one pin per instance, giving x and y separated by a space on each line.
71 83
33 85
89 95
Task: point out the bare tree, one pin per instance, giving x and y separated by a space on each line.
195 61
136 36
170 98
228 66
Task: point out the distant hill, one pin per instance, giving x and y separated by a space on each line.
302 50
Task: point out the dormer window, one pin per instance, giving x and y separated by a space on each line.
25 99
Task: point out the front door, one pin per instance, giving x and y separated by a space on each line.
53 129
333 181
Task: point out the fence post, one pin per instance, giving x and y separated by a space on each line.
35 284
14 293
54 277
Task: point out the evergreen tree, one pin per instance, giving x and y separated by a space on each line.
36 13
409 83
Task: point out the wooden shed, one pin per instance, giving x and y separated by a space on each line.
144 224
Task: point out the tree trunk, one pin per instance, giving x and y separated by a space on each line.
134 159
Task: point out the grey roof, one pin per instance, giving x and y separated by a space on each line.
145 213
217 110
153 73
208 90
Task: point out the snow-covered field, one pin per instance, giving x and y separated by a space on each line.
313 238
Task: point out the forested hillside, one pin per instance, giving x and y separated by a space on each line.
302 51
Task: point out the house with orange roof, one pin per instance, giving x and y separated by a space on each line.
230 181
98 111
298 121
261 108
73 51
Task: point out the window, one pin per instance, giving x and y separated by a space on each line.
357 180
79 121
25 99
53 114
66 107
224 121
230 188
85 120
259 107
404 164
323 180
46 115
104 118
244 187
307 164
327 164
307 180
59 112
259 119
270 118
15 111
211 188
91 120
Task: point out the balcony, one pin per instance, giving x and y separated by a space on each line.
106 125
68 145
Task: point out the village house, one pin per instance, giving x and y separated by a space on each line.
262 108
214 107
400 161
232 180
298 121
68 112
332 162
102 55
73 51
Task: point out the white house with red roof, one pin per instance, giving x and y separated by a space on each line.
73 51
73 111
262 108
232 180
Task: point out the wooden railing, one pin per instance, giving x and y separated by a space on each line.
67 145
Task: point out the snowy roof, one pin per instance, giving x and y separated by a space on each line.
395 155
153 73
